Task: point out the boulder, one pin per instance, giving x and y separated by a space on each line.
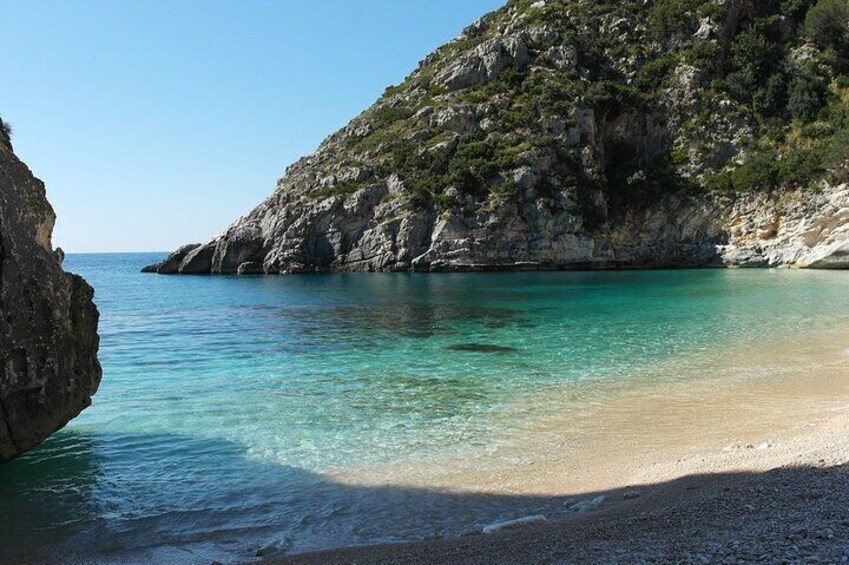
198 261
513 524
171 265
836 257
48 326
485 63
250 268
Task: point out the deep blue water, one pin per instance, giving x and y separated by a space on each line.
228 402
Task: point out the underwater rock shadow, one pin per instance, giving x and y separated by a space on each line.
422 321
481 348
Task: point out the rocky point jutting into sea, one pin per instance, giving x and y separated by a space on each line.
48 330
577 134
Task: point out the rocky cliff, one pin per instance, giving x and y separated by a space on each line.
580 134
48 322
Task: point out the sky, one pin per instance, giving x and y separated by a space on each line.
157 123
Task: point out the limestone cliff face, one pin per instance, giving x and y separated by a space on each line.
48 322
573 134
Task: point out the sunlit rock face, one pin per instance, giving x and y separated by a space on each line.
48 322
572 134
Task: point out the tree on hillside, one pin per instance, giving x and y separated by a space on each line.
827 25
5 128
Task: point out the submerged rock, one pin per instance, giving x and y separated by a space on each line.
276 547
481 348
48 326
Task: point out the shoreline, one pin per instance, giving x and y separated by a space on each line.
790 513
661 450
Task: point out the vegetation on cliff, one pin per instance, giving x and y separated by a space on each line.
5 128
775 68
549 132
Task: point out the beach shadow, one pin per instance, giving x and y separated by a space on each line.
101 498
790 515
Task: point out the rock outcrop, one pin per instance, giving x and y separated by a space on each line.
48 326
563 134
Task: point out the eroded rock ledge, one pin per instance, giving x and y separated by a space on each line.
48 326
369 232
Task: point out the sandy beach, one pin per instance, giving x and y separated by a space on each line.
725 469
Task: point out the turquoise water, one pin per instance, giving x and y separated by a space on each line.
227 403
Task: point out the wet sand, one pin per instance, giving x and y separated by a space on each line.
679 464
653 432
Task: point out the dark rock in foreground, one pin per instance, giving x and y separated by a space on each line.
48 322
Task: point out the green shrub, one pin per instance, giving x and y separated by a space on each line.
428 174
805 96
749 63
472 167
827 25
771 99
799 168
556 94
836 155
740 85
393 89
672 17
610 98
6 128
719 182
755 77
818 130
796 9
385 116
338 189
653 74
707 56
757 174
754 53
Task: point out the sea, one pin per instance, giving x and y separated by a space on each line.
230 406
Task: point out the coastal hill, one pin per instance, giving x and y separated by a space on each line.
48 330
557 134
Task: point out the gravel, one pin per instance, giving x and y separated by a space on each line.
790 508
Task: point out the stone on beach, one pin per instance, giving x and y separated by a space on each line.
512 524
276 547
584 506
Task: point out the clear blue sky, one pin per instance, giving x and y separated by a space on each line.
156 123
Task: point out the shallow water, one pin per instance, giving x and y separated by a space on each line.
228 404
